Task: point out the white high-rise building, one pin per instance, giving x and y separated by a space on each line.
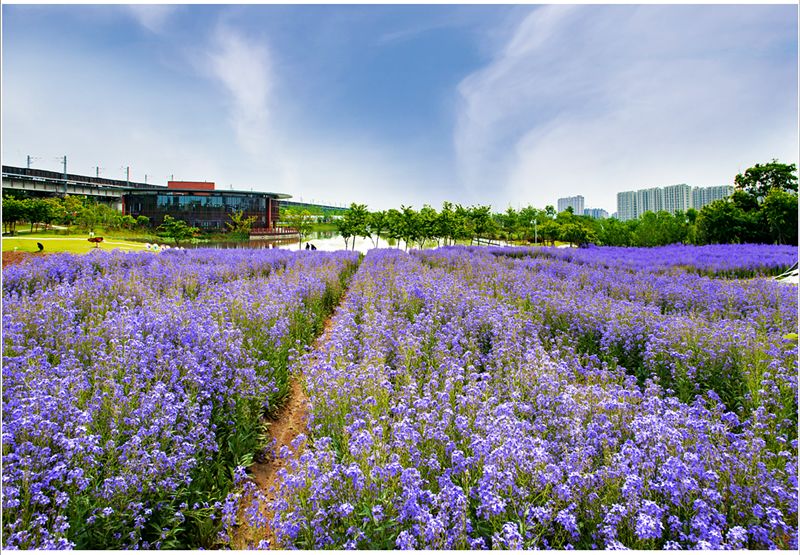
677 197
596 213
575 202
702 196
626 206
649 200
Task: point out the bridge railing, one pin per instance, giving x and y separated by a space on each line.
273 231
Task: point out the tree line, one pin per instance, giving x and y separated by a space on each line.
68 211
762 209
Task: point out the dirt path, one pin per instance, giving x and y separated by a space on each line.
288 423
15 257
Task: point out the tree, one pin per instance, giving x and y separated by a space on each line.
88 216
239 225
780 211
549 230
529 219
759 180
13 212
446 226
722 221
483 224
616 233
343 226
428 221
301 220
409 225
354 223
575 233
509 222
377 223
72 208
394 224
177 229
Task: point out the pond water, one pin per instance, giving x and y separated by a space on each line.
323 240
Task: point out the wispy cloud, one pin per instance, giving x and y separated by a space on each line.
596 100
244 68
154 17
410 32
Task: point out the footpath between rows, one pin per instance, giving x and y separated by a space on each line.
283 428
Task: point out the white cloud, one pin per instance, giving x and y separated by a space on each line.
244 67
592 101
154 17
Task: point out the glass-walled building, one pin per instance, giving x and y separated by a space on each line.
204 209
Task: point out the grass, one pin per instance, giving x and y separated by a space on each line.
76 245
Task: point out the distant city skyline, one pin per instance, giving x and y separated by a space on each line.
403 104
672 198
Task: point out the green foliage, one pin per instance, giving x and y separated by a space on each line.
780 211
301 220
14 211
239 226
614 232
762 209
759 180
577 233
354 223
377 222
178 230
722 221
661 228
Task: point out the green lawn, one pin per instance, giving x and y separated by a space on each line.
77 245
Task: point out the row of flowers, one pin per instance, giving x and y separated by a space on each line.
469 400
134 385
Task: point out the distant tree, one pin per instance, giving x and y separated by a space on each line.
780 211
54 210
240 225
575 233
759 180
722 221
428 220
343 227
509 222
482 222
409 225
72 208
41 211
127 222
526 218
464 226
549 231
377 223
354 223
446 224
13 212
178 230
301 220
394 224
613 232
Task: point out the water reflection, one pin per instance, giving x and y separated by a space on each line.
322 240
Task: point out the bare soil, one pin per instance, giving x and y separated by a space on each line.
16 257
289 422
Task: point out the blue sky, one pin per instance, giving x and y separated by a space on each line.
390 105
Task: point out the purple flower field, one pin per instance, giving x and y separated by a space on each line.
133 385
463 398
470 400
